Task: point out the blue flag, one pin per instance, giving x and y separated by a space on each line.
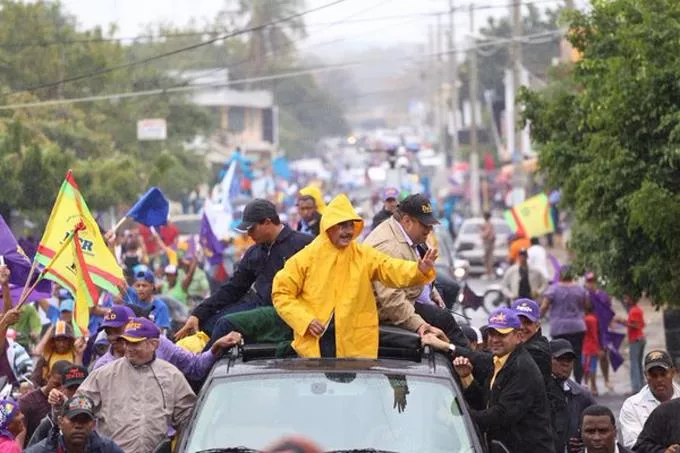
17 261
151 210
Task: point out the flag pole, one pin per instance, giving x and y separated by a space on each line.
34 266
63 246
119 224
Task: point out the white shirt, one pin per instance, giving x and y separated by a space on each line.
636 410
537 258
616 449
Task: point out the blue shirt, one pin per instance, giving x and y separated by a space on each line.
160 314
106 301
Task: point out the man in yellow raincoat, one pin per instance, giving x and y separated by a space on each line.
310 206
326 287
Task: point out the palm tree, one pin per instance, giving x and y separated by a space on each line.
276 40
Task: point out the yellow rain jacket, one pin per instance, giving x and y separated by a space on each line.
315 192
322 280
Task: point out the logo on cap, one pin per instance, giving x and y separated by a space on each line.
133 325
498 317
655 355
110 316
524 307
74 373
426 208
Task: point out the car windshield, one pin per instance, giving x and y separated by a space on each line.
470 228
188 226
337 410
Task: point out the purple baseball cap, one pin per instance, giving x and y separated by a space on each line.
504 320
119 316
527 308
390 193
140 329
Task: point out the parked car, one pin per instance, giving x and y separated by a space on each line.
405 401
468 244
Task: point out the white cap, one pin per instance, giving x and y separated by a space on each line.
170 269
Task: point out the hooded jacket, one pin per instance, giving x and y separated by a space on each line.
323 281
315 192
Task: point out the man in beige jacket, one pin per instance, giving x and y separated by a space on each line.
137 397
418 308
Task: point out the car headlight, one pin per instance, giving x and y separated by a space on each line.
459 272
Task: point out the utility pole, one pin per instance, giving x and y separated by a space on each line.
566 48
438 88
453 80
474 149
431 76
516 61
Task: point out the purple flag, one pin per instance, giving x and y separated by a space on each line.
36 295
615 357
609 340
212 247
17 261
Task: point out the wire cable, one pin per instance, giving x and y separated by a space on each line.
175 51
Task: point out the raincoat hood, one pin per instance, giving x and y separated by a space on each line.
315 192
340 210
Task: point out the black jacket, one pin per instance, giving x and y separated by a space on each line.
574 399
662 429
42 431
257 269
380 217
314 225
515 410
539 349
95 444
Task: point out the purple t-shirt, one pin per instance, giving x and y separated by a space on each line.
567 308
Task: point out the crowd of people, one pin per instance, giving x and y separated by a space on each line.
321 288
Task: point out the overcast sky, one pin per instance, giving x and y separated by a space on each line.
367 17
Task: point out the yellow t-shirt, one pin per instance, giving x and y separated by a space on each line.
498 363
54 358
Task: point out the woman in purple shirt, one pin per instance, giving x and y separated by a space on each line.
567 301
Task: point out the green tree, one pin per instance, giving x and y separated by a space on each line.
610 133
40 44
277 39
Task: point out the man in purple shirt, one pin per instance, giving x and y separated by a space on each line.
193 366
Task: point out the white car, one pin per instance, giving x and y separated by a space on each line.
468 244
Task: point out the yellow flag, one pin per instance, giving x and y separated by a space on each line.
100 266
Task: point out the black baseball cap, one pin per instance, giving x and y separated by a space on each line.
418 206
78 405
255 212
658 358
73 375
561 347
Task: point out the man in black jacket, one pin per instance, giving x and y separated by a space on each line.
76 432
389 206
661 433
511 407
274 244
310 218
538 347
574 398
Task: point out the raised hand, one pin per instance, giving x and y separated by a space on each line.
426 263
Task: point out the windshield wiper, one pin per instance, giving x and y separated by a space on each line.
230 450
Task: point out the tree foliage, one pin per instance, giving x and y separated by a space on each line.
40 44
610 138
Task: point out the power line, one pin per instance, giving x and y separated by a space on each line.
296 73
176 51
209 33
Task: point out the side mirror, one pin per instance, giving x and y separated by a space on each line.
498 447
165 446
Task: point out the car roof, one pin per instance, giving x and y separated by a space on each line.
431 365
